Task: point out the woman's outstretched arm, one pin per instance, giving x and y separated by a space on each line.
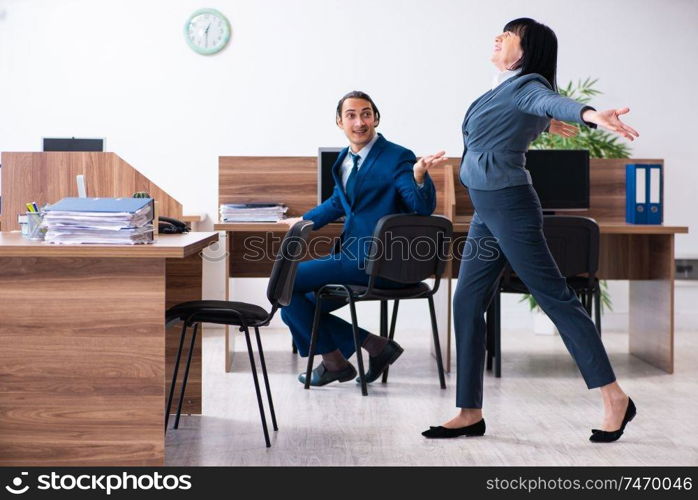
534 96
610 120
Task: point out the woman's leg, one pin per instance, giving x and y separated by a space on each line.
515 219
481 264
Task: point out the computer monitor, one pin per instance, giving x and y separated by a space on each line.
326 157
72 144
560 177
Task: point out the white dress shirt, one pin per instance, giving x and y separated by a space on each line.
348 162
502 76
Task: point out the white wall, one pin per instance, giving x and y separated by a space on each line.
122 70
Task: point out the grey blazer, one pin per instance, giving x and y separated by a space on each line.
501 123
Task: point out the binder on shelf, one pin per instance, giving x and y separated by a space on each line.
644 193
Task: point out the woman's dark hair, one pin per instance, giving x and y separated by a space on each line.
539 45
357 94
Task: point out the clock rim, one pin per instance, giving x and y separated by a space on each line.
212 50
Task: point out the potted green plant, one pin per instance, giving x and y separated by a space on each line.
601 144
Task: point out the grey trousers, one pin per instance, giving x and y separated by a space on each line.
508 225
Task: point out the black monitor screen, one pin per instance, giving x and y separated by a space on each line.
560 177
326 157
73 144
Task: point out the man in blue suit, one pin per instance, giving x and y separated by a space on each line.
373 178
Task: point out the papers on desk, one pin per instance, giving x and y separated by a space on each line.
103 221
252 212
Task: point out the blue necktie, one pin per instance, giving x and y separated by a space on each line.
351 180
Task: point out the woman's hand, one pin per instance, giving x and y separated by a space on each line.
291 221
609 120
425 163
562 129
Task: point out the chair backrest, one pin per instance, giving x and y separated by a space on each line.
573 242
283 274
409 248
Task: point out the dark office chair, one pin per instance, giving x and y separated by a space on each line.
429 237
574 244
245 316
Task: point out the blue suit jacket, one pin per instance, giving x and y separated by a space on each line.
384 185
500 124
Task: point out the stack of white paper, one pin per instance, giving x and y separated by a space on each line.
252 212
106 228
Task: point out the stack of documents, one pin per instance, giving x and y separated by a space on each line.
104 221
252 212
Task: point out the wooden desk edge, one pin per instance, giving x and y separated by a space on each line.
38 249
460 226
199 245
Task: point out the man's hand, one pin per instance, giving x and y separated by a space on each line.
609 120
425 163
562 129
291 221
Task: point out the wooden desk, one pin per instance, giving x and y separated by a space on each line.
643 255
293 181
83 348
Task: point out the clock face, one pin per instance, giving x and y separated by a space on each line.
207 31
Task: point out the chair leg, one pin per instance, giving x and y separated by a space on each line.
174 374
294 349
357 345
393 320
384 327
497 335
384 318
313 341
489 339
437 344
256 387
597 307
186 375
266 377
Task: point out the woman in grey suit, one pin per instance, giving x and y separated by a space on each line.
497 130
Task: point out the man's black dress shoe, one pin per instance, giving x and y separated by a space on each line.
476 429
378 364
599 436
322 376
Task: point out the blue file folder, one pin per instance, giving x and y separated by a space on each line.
108 205
644 195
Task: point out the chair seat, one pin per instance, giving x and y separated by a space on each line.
411 292
217 311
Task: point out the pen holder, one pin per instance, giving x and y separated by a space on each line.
36 230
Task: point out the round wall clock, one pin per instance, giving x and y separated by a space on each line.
207 31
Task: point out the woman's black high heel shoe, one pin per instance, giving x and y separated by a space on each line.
599 436
476 429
